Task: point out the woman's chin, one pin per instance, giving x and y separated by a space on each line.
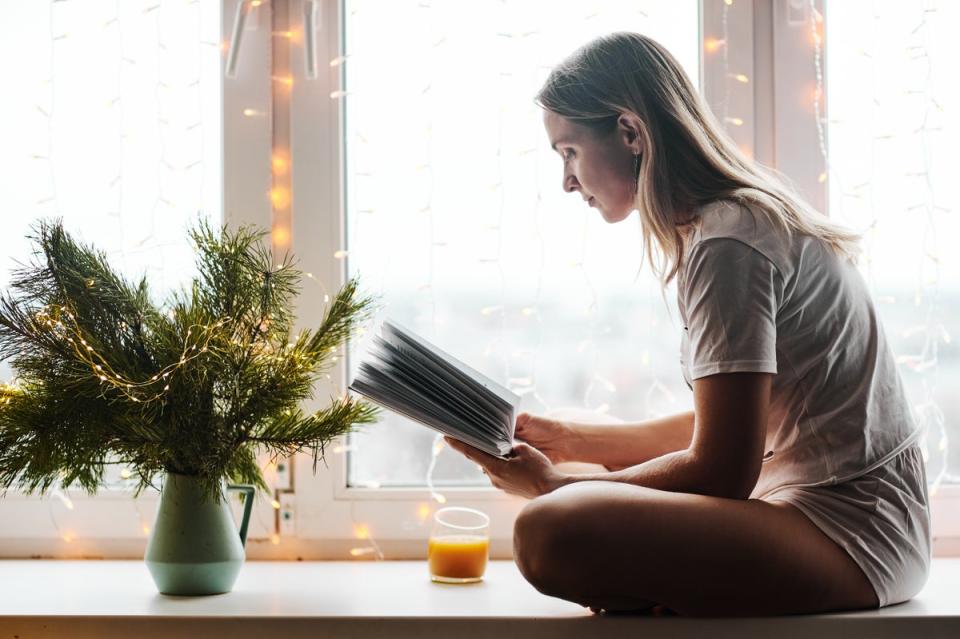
612 217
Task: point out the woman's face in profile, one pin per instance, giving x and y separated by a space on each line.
599 168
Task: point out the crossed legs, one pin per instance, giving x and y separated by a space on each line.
617 546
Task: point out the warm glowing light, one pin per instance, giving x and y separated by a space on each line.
339 255
822 178
361 531
711 45
734 121
742 78
728 2
256 3
275 539
815 35
281 236
68 537
440 498
423 511
250 113
285 80
275 504
146 529
279 197
357 552
280 163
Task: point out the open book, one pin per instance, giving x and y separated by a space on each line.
410 376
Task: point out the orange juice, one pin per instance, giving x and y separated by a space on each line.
458 558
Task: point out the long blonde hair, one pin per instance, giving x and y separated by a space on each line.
688 159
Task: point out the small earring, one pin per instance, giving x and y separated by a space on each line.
636 171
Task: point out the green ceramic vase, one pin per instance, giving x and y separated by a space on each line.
194 547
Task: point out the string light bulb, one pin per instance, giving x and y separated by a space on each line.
712 45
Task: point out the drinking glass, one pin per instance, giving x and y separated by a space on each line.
459 545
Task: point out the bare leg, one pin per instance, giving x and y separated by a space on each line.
617 546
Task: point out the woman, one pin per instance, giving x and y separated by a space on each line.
796 484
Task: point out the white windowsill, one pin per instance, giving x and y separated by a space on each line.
44 598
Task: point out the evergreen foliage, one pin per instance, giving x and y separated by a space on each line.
197 387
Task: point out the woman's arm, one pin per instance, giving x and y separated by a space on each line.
618 446
723 458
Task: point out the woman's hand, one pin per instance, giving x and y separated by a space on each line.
551 437
528 472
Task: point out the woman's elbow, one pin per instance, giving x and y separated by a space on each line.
730 481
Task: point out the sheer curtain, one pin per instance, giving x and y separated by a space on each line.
892 130
456 214
111 122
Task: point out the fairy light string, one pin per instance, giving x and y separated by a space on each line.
506 43
534 354
68 31
60 323
930 414
924 364
428 107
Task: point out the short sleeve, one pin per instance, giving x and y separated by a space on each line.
730 293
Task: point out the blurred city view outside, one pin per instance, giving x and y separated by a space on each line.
455 211
115 128
456 214
459 219
892 127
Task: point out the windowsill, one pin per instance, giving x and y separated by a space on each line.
44 598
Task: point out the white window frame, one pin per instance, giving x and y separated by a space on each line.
328 518
771 41
108 524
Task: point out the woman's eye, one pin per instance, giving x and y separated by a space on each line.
566 156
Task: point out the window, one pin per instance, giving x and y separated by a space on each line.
115 127
892 130
455 213
419 162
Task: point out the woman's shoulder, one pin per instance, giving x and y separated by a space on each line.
745 224
730 218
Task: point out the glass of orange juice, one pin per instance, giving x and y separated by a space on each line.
459 545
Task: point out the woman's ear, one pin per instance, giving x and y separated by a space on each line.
629 127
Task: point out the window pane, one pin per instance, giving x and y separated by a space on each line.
456 216
114 126
893 130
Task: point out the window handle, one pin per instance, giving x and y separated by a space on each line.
239 20
310 36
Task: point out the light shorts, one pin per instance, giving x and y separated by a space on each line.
882 520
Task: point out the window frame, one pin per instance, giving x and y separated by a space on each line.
27 526
329 519
772 41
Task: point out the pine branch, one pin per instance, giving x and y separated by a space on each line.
292 433
195 387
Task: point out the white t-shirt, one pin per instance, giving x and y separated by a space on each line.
753 298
